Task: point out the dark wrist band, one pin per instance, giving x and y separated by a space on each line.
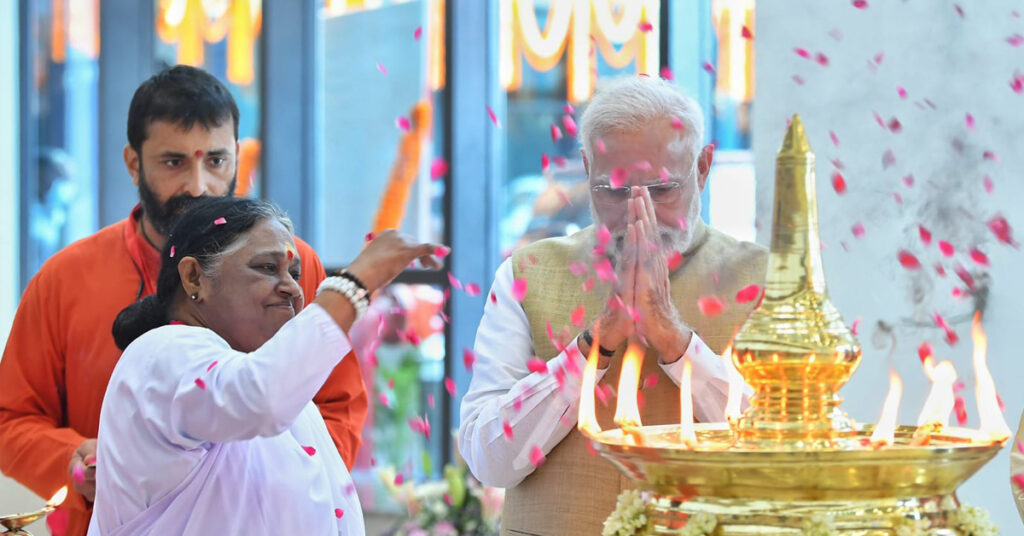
600 349
348 275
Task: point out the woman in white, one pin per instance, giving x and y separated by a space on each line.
208 425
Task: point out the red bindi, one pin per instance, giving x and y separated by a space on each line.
290 255
199 154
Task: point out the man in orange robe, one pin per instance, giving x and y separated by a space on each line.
183 132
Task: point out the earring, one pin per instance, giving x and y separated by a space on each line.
195 296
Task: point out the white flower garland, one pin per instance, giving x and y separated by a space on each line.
629 517
700 524
974 521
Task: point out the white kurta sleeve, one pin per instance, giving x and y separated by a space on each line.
538 408
709 381
197 389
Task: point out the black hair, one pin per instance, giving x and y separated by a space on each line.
206 231
182 95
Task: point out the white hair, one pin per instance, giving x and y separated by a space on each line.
632 103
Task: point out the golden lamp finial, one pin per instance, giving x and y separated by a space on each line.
794 345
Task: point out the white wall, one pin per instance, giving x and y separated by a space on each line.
961 65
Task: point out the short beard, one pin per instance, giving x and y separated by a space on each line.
163 216
672 238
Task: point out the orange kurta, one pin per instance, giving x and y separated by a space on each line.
61 353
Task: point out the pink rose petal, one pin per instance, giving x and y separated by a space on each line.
677 123
309 450
988 184
667 74
507 429
946 248
908 260
858 230
746 33
1001 229
472 289
200 383
577 316
172 252
710 305
855 326
220 221
969 119
416 34
979 257
860 4
902 92
838 183
577 268
556 133
888 159
399 479
803 53
926 235
383 70
493 116
468 358
536 456
545 162
674 260
519 289
603 269
438 168
537 365
599 144
441 252
708 68
645 26
209 368
748 293
449 385
895 126
908 181
618 177
403 123
835 139
384 400
454 281
822 59
339 513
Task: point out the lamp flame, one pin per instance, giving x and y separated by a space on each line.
58 498
736 385
627 413
587 419
686 430
941 399
992 421
885 431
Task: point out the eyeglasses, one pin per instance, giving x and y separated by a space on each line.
666 192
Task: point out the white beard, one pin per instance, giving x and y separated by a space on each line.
672 238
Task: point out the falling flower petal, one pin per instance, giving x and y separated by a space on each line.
493 116
988 184
603 269
924 350
710 305
926 235
990 155
960 409
895 126
399 479
417 33
209 368
559 161
901 92
468 358
618 177
220 221
746 33
556 133
645 26
172 252
855 326
979 257
384 400
946 248
383 70
438 168
822 59
835 139
1001 228
519 289
577 316
674 260
472 289
799 80
78 474
339 513
951 336
908 181
969 119
667 74
964 276
860 4
710 69
403 123
858 230
507 428
420 425
803 53
588 285
908 260
536 456
748 293
545 162
454 281
441 252
838 183
537 365
309 450
677 123
201 383
449 385
650 381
